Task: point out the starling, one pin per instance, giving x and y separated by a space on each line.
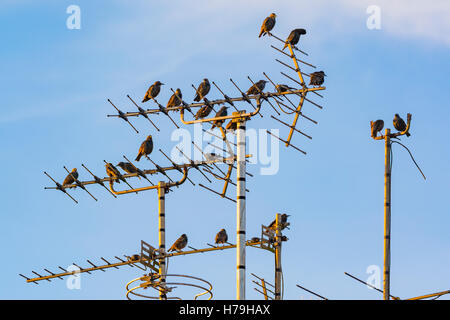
400 124
129 168
231 126
69 179
179 244
202 90
283 88
175 99
294 37
203 112
212 156
153 91
221 113
113 172
146 148
377 126
267 24
284 223
258 87
221 237
317 78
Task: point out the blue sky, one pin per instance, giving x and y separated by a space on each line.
55 83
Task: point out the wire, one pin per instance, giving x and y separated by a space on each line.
410 154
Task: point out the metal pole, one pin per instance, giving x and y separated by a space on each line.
162 237
387 215
278 257
240 212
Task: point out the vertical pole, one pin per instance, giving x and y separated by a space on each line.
278 257
387 215
162 237
240 212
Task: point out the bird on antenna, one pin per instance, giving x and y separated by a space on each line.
294 37
146 148
179 244
267 24
221 237
153 91
377 126
400 124
70 177
202 90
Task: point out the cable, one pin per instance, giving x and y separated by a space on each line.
410 154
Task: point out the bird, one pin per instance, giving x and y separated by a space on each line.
211 156
267 24
179 244
294 37
175 99
221 237
203 111
202 90
284 223
129 168
146 148
258 87
283 88
70 177
377 126
153 91
113 172
400 124
231 126
317 78
221 113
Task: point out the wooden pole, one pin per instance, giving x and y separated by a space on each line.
387 215
278 257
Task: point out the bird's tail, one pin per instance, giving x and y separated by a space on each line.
138 157
408 134
285 45
197 98
261 33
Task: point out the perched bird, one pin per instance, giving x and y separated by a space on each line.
113 172
153 91
377 126
221 113
400 124
129 168
175 99
254 239
179 244
221 237
202 90
258 87
231 126
317 78
212 156
203 112
146 148
267 24
294 37
70 177
284 223
283 88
